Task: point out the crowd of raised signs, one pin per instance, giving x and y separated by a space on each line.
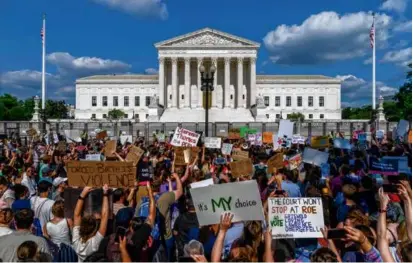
246 197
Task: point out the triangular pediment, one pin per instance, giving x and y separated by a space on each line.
207 38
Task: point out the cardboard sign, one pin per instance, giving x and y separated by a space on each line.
96 174
295 217
31 132
238 154
184 137
242 199
92 204
234 134
276 161
286 129
241 168
384 166
125 138
202 183
294 161
110 147
101 135
342 144
72 136
267 137
212 142
93 157
180 155
61 147
226 148
320 142
134 155
314 157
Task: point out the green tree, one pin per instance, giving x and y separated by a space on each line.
116 114
404 96
295 116
55 109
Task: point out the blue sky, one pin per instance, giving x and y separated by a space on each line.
88 37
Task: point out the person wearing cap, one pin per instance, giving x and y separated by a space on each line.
41 204
59 183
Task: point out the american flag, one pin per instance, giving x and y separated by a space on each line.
372 35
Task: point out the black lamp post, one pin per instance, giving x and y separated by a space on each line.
207 85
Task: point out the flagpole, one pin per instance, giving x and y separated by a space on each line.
374 66
44 63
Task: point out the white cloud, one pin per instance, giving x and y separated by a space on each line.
325 37
357 92
400 57
405 26
84 66
66 89
22 79
143 8
151 71
394 5
368 61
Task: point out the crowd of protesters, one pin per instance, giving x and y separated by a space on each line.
156 219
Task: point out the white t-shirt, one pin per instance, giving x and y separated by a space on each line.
83 250
42 208
5 231
30 183
8 195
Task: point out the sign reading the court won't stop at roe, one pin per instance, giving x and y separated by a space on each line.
241 198
295 217
96 174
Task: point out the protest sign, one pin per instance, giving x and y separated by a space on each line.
72 136
380 134
31 132
286 129
403 165
294 161
276 161
275 141
125 138
55 138
110 147
267 137
234 134
314 157
180 156
258 139
320 142
91 205
238 154
298 139
384 166
96 174
402 128
187 155
160 137
251 138
93 157
242 199
61 147
134 155
101 135
244 131
342 144
184 137
202 183
212 142
295 217
226 148
241 168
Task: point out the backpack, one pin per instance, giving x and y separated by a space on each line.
65 254
143 212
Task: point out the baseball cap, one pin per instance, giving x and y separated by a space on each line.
59 180
46 179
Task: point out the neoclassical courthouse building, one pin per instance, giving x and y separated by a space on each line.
240 95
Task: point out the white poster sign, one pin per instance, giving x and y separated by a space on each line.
241 199
402 128
185 138
55 138
72 136
93 157
295 217
213 142
202 183
286 129
275 141
125 138
226 148
315 157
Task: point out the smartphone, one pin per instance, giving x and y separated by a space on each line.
120 232
336 233
279 192
390 188
396 178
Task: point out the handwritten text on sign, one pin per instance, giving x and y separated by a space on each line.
241 198
184 137
96 174
296 217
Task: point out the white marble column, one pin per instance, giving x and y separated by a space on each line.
240 81
214 61
253 89
201 97
161 77
187 82
174 81
227 62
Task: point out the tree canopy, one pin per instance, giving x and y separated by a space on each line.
116 114
295 116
